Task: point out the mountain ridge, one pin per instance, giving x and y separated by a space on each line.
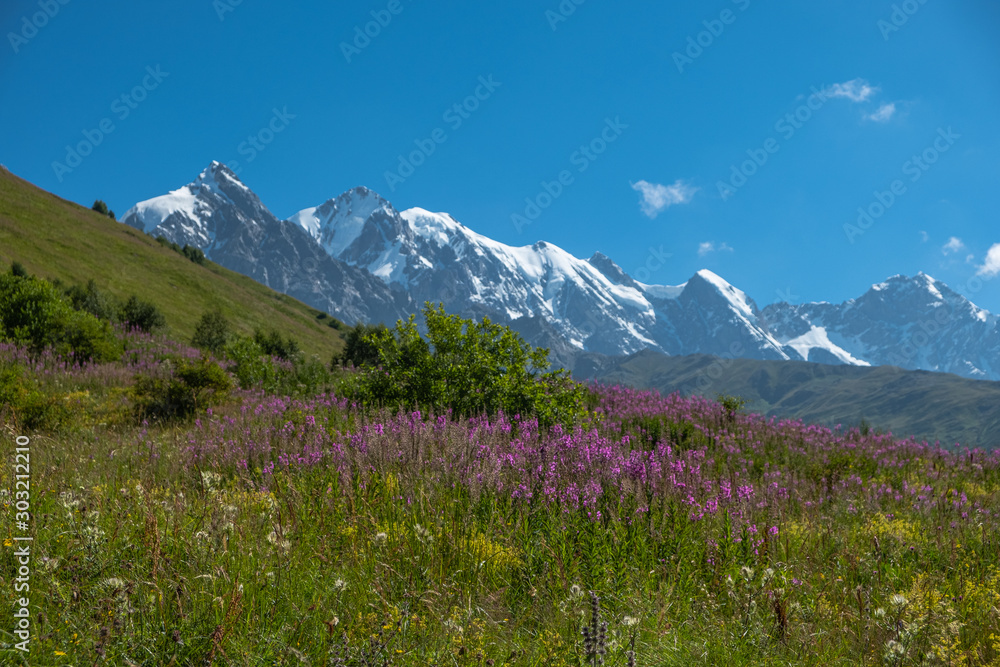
359 258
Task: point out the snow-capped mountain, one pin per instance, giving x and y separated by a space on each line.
358 258
592 305
914 323
219 214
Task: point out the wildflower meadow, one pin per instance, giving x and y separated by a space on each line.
301 527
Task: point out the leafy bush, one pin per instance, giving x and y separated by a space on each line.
250 367
271 343
142 314
17 269
29 407
33 313
90 299
193 386
193 253
254 367
468 367
212 333
135 312
360 349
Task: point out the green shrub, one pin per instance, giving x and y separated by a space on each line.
274 345
359 348
193 386
254 368
212 333
142 315
251 367
468 367
17 269
30 408
33 313
193 253
90 299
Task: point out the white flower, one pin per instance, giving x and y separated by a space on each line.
898 600
211 480
380 537
339 585
630 621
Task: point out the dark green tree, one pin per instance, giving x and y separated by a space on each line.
89 298
142 315
193 253
272 343
212 333
103 209
359 346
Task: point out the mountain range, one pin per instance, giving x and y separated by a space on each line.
358 258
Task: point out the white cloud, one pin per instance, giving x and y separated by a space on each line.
657 198
954 244
856 90
710 246
884 113
991 266
924 237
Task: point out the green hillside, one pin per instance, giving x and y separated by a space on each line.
931 406
57 239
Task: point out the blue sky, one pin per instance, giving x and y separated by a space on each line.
642 109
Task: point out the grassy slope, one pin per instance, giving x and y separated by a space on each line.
55 238
932 406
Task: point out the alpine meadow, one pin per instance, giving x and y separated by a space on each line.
559 334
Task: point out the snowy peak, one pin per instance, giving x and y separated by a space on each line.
189 209
358 257
917 323
736 298
610 269
339 222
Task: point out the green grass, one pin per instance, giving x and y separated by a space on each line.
153 546
57 239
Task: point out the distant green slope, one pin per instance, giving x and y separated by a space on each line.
930 406
54 238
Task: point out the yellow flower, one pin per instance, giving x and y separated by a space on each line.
60 653
8 543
